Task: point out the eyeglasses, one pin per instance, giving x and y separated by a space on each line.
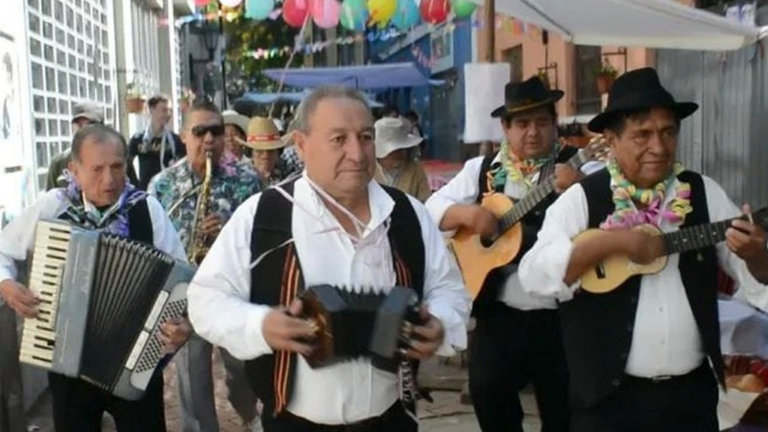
200 131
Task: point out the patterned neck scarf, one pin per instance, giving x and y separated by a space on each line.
627 196
516 169
113 220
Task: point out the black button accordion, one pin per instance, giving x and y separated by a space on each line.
355 324
103 299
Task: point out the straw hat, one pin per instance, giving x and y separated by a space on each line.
235 118
263 135
393 134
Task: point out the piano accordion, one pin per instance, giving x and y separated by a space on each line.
103 299
360 324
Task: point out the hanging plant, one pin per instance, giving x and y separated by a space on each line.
605 75
134 99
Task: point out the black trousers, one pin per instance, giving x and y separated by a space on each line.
79 407
509 349
687 403
395 419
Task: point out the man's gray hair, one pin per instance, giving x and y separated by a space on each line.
308 106
97 132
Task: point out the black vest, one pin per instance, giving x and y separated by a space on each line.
139 222
598 328
531 224
277 279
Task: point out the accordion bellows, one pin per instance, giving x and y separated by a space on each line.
102 300
354 324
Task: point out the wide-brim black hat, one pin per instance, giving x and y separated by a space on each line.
526 95
639 89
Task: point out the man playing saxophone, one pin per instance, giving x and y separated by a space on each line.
200 192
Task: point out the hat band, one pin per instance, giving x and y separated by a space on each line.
263 138
527 105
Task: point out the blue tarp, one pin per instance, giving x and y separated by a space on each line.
367 77
289 97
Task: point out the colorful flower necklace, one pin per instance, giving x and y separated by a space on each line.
517 170
625 195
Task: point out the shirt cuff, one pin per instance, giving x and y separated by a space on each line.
437 208
255 344
454 328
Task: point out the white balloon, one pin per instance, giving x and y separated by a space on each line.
231 3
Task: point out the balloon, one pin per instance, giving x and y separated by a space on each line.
230 3
325 13
295 12
462 8
434 11
259 9
202 2
354 14
381 11
407 15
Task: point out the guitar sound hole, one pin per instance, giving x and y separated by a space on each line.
487 242
600 270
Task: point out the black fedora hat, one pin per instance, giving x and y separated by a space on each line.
638 89
526 95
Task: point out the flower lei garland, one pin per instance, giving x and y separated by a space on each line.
113 221
515 169
625 195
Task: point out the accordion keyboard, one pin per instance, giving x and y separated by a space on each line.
50 254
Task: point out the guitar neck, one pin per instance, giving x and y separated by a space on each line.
536 195
696 237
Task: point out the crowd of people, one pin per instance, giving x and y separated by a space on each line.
340 198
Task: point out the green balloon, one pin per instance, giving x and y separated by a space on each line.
462 8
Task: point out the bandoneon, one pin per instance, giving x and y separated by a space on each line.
103 299
354 324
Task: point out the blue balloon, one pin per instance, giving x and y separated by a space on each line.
407 15
259 9
354 15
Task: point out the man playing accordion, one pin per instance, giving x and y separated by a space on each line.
333 226
98 198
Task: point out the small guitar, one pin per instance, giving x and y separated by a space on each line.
477 257
614 270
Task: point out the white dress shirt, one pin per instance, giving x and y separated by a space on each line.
665 340
17 238
463 189
221 312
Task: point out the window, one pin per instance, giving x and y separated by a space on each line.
514 56
68 39
587 61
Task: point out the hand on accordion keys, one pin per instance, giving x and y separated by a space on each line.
284 332
429 336
174 333
19 298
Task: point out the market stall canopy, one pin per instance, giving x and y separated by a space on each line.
247 102
648 23
367 77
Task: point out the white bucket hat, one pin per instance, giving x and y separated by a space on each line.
393 134
237 119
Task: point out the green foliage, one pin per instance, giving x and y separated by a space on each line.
246 35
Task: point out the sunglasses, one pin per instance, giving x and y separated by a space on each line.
200 131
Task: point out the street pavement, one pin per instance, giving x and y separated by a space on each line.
446 413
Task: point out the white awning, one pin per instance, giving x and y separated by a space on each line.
648 23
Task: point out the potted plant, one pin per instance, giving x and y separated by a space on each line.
186 98
544 77
605 75
134 99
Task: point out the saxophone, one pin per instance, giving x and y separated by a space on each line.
199 243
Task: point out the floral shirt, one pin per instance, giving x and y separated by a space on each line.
177 188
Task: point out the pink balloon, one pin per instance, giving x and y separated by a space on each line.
295 12
325 13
